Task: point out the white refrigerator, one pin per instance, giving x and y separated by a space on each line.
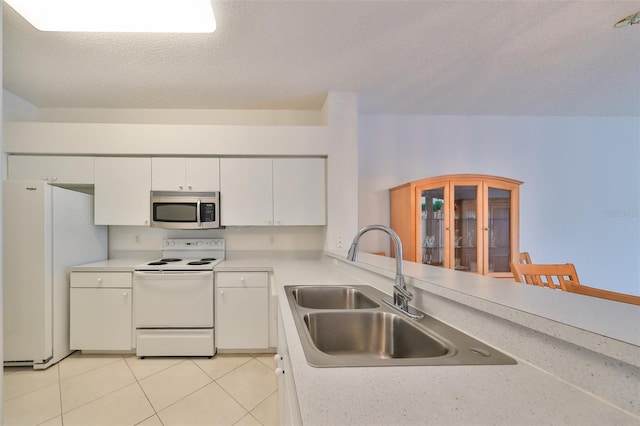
47 229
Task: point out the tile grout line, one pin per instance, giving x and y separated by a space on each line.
93 400
155 413
239 403
60 391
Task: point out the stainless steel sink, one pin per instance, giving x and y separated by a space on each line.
371 334
345 326
332 297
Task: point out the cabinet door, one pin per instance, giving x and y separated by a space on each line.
500 227
202 174
185 174
246 191
466 237
122 191
100 318
242 318
167 174
299 194
433 230
287 394
52 169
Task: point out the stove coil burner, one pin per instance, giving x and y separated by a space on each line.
157 263
170 259
208 259
199 262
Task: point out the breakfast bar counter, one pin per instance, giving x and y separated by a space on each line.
565 372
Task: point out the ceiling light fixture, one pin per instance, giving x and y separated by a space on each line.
634 18
167 16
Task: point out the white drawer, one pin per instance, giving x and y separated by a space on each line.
242 279
101 279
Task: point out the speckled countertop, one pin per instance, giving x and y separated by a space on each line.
110 265
521 394
572 369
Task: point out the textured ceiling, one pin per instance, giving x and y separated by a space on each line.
514 57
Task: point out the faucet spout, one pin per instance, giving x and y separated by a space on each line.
401 294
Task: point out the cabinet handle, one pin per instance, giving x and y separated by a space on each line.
125 294
54 179
221 292
277 357
486 229
448 229
242 279
189 187
100 280
279 371
181 187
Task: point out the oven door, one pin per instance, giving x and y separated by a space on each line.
173 299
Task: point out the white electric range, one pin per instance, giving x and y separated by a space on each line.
174 299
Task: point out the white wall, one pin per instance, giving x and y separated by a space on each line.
2 174
330 132
580 201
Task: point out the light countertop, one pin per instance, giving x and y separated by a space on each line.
110 265
521 394
572 368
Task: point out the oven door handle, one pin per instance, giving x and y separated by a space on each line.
171 275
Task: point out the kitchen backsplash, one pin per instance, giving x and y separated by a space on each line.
128 239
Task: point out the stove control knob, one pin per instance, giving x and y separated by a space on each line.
198 243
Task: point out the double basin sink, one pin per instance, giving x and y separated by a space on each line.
349 326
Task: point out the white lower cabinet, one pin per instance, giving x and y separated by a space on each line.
101 311
287 394
242 310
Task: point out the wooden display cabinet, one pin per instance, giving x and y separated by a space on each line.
466 222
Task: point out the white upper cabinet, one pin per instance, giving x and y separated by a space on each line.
272 192
53 169
122 191
299 191
246 191
185 174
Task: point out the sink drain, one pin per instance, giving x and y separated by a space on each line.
480 352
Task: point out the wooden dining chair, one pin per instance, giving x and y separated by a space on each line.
524 258
545 275
601 293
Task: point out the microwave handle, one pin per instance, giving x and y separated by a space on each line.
198 212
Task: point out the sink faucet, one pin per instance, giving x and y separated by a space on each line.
401 294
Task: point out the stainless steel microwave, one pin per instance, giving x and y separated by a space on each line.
185 210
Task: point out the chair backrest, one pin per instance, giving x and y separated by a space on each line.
524 258
545 275
603 294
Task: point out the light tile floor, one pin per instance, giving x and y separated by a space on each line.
122 390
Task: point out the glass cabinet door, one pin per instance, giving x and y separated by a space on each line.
465 235
498 230
432 235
